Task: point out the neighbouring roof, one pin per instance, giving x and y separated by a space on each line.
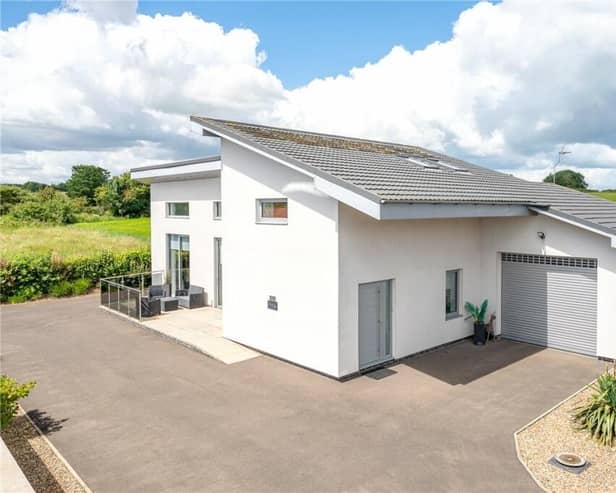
397 173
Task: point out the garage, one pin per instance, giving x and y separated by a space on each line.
550 301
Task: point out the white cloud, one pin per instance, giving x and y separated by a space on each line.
79 82
516 81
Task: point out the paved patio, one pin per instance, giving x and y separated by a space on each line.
138 412
201 329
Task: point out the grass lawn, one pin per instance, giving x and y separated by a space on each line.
605 195
138 228
83 239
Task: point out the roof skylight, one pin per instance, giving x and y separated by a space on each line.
423 163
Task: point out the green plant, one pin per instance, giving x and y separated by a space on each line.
61 288
598 414
81 286
10 394
476 312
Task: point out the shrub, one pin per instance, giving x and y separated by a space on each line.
61 288
26 293
10 394
598 414
36 274
11 195
81 286
47 206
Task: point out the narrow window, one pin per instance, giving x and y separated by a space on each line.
452 293
217 210
177 209
272 211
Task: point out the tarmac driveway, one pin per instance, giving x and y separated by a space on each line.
132 411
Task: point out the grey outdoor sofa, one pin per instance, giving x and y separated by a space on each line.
193 297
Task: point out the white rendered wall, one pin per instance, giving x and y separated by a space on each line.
519 235
199 226
297 263
415 254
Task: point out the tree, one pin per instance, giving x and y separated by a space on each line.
33 186
84 181
124 196
568 178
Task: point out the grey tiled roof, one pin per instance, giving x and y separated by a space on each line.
390 172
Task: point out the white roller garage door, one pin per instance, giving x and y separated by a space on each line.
550 301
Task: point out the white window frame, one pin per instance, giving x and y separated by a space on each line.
217 210
458 312
169 205
271 220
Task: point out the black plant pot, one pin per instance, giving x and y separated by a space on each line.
479 337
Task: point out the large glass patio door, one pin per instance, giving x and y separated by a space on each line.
179 263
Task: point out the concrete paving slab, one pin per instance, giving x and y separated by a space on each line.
201 328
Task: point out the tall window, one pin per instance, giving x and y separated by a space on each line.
272 211
452 293
217 209
178 263
177 209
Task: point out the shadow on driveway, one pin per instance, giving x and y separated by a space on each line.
462 363
45 422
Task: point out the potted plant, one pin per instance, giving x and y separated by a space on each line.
478 314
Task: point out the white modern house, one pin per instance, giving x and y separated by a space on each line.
339 254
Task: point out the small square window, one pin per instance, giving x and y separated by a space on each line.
272 211
177 209
217 210
452 293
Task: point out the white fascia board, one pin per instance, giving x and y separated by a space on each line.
178 173
348 197
577 224
444 211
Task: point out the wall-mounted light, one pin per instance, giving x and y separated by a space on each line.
541 235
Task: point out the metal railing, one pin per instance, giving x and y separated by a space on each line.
124 294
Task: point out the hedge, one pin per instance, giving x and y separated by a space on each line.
29 277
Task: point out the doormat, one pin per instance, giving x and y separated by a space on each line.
380 373
574 470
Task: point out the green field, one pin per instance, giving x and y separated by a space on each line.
138 228
76 240
605 195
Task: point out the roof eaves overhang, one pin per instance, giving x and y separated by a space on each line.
579 222
179 171
452 210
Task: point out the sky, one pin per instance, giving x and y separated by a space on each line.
505 85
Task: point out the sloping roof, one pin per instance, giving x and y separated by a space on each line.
397 173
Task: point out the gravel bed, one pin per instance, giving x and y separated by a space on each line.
556 432
39 463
